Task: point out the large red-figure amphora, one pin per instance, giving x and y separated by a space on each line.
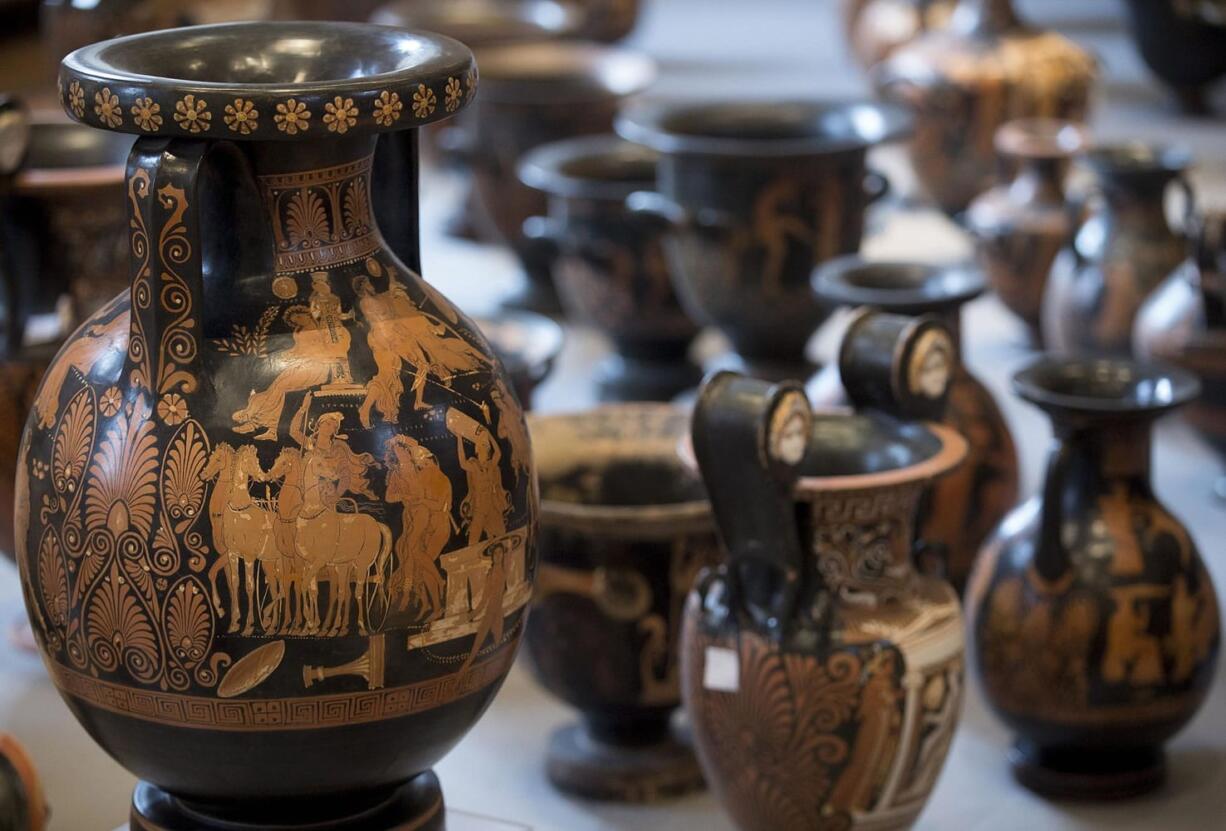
276 505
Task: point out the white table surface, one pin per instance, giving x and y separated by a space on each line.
763 49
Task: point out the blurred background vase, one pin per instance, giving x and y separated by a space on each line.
1022 224
351 10
478 24
876 28
755 195
532 94
609 264
63 255
22 805
65 25
609 20
65 221
986 67
1123 249
1184 322
963 507
482 23
1184 43
625 529
1094 624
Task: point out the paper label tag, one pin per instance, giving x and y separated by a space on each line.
722 672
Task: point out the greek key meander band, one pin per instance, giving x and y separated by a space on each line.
305 713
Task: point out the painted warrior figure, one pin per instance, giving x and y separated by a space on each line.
400 333
330 467
489 623
330 317
512 429
775 223
320 354
486 504
415 480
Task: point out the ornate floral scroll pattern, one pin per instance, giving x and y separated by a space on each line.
177 348
182 499
863 541
53 578
783 740
111 603
117 569
123 477
139 191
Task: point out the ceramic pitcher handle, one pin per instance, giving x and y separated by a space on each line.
750 437
898 364
1051 559
185 199
876 186
394 174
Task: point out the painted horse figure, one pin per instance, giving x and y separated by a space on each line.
242 533
348 550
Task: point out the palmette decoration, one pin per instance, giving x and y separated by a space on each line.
280 487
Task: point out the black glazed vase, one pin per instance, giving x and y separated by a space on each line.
609 263
1184 323
964 507
625 528
1124 248
275 504
755 196
1094 623
1184 44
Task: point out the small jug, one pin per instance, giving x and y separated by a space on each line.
821 672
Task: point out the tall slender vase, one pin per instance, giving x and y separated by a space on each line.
1093 621
1184 322
275 505
821 673
1123 250
1022 224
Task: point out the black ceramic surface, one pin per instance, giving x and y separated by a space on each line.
1184 44
1125 247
